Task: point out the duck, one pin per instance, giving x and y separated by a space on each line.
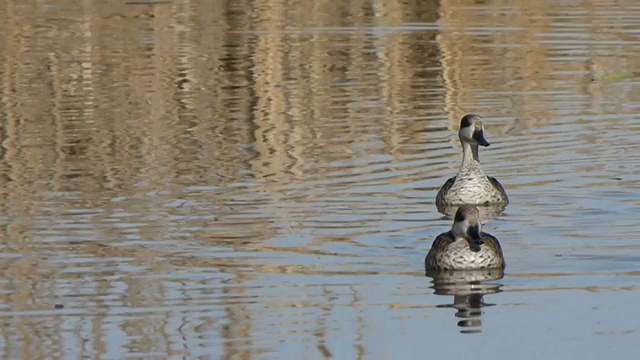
465 246
471 185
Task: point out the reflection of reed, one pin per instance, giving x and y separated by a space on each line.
502 60
99 102
237 332
321 332
105 106
411 60
468 292
478 62
125 99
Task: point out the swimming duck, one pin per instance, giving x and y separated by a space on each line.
465 246
471 185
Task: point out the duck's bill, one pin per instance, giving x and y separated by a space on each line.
476 239
478 136
474 235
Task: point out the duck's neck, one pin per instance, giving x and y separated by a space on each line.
469 153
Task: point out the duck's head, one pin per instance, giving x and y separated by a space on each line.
472 131
466 225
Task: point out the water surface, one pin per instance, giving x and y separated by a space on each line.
242 179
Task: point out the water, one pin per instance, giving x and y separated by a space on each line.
210 179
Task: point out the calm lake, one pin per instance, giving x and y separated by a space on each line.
208 179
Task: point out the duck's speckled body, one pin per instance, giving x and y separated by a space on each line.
465 247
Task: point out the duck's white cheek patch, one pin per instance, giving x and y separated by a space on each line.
459 228
467 132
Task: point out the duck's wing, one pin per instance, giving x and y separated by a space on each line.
492 242
444 190
498 186
439 245
443 241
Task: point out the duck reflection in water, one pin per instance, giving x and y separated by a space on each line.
468 290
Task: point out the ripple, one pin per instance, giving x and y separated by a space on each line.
249 181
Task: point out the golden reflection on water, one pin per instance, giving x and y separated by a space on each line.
190 178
